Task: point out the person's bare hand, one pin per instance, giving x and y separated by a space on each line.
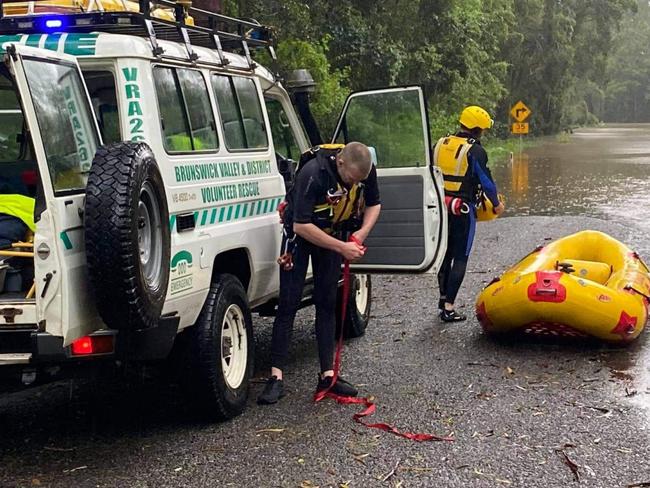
360 236
351 251
499 209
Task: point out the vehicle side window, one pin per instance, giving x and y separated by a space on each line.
101 88
241 112
284 140
185 112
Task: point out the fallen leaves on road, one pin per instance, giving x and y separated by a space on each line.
572 466
360 457
261 431
392 472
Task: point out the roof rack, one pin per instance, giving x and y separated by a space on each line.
159 19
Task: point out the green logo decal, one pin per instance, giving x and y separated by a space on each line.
182 256
181 272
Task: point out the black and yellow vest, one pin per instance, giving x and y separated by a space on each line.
341 207
450 155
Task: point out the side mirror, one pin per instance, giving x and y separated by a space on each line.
287 168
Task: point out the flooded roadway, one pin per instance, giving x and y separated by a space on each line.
523 414
598 172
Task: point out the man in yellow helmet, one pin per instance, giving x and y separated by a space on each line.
463 162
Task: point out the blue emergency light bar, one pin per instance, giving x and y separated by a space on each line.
221 31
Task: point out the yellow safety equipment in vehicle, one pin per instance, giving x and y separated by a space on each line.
474 117
19 206
76 6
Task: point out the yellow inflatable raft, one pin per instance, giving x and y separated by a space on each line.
585 284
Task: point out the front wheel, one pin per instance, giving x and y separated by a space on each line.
221 351
359 301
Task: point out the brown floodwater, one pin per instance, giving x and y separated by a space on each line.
601 172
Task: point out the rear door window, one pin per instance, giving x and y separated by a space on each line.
66 126
186 114
241 112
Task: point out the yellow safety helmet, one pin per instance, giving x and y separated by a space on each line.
474 116
485 209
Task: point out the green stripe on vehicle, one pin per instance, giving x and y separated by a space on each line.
33 40
80 44
233 212
52 42
67 243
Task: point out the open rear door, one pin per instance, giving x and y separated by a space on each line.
65 137
411 234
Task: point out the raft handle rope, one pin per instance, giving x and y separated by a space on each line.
367 402
632 289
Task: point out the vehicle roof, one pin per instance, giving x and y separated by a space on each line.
108 45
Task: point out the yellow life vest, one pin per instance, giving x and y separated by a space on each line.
450 155
19 206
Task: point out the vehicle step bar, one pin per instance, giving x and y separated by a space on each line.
15 358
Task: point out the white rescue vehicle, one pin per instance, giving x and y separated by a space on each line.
157 158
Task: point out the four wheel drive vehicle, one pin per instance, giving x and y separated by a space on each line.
154 166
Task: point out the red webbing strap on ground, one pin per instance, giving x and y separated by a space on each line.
370 406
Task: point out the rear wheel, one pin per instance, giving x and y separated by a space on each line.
221 353
359 301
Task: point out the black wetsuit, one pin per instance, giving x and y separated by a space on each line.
309 193
462 227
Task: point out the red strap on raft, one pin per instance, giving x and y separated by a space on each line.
369 405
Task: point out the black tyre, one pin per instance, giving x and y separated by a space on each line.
127 236
357 313
221 351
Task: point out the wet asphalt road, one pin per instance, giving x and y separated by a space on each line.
520 413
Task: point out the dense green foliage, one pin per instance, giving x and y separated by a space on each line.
627 95
569 60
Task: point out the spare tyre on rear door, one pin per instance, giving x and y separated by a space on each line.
127 235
